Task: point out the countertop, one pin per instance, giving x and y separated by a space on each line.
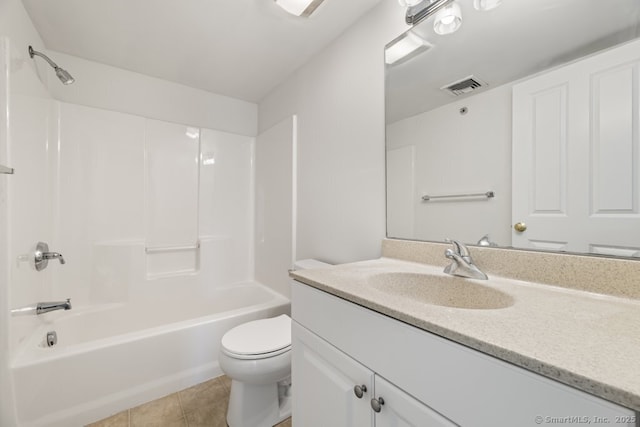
586 340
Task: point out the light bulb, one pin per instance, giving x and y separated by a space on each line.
448 20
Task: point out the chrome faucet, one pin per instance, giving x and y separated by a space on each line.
45 307
486 241
42 256
462 264
42 307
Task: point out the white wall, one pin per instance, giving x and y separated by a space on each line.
338 97
274 222
101 86
458 154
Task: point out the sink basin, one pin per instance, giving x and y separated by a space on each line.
447 291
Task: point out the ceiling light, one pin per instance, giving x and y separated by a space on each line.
486 4
448 20
404 48
299 7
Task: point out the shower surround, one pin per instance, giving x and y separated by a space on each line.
155 221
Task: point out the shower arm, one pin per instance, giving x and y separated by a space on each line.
43 56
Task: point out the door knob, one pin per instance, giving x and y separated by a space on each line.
520 227
376 404
360 390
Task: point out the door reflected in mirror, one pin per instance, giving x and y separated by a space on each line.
536 103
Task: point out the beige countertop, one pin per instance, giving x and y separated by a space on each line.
586 340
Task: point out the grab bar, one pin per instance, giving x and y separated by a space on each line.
6 170
489 194
159 249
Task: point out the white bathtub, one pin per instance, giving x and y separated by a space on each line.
115 357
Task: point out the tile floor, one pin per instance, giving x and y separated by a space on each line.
203 405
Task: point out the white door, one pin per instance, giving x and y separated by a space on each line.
576 156
401 410
324 379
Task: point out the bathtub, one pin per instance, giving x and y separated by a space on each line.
117 356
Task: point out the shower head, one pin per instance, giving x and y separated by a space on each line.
62 74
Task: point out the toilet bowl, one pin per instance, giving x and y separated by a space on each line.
257 357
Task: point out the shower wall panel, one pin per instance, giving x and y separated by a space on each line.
226 205
100 192
138 200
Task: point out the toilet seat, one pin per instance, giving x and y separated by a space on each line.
258 339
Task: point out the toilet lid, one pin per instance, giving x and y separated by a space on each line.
259 336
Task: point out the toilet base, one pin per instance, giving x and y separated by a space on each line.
258 405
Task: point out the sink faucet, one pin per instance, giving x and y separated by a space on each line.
462 264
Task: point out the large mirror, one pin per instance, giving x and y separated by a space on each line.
520 129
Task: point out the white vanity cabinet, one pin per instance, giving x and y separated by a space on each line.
332 389
325 379
423 379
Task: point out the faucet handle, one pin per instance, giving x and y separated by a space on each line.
54 255
459 247
42 256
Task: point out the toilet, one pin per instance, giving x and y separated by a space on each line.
257 357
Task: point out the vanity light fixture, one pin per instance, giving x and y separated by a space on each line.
419 11
404 48
448 19
302 8
486 4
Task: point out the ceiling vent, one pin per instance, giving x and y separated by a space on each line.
466 85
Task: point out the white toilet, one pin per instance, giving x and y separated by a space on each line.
257 357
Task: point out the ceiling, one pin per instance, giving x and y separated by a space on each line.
515 40
238 48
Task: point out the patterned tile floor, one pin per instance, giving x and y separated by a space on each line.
203 405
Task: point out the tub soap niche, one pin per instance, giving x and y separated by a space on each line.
163 261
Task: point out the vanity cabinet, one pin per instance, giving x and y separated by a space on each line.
324 384
423 379
332 389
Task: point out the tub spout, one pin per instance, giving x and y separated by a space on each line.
45 307
41 308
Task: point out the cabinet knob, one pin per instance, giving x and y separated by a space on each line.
376 404
360 390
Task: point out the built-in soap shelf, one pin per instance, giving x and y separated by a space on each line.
6 170
168 260
159 249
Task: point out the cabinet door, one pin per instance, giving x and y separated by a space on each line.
402 410
323 384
